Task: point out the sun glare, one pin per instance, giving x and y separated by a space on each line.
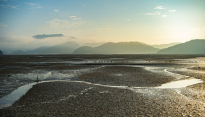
183 34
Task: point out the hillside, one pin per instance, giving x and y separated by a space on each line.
1 53
191 47
118 48
93 44
18 52
37 50
163 46
66 48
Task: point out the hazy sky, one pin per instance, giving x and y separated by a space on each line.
148 21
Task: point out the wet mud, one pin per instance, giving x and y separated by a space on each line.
105 85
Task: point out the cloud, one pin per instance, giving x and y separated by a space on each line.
59 24
172 11
72 16
71 37
3 25
56 10
43 36
37 7
9 6
163 15
3 0
156 13
128 19
31 4
34 6
159 7
9 41
76 18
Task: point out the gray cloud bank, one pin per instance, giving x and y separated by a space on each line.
43 36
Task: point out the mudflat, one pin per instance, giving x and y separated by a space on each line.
107 85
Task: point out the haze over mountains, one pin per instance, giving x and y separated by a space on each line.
118 48
66 48
1 53
191 47
196 46
162 46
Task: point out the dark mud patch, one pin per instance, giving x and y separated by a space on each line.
125 76
198 68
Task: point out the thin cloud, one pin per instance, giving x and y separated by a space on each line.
71 37
172 11
128 19
59 24
3 0
43 36
163 15
31 4
72 16
76 18
156 13
159 7
9 6
9 41
56 10
37 7
34 6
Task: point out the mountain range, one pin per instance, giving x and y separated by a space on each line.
162 46
196 46
118 48
65 48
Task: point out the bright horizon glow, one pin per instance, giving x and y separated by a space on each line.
88 21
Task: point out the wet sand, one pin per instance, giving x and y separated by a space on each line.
90 93
80 99
125 76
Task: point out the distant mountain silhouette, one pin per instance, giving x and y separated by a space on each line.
66 48
37 50
18 52
1 52
191 47
118 48
94 44
162 46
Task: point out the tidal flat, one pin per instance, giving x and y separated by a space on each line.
102 85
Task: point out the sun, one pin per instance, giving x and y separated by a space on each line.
183 34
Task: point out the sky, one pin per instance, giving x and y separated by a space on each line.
29 24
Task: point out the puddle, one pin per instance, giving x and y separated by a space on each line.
181 83
8 100
44 76
118 74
